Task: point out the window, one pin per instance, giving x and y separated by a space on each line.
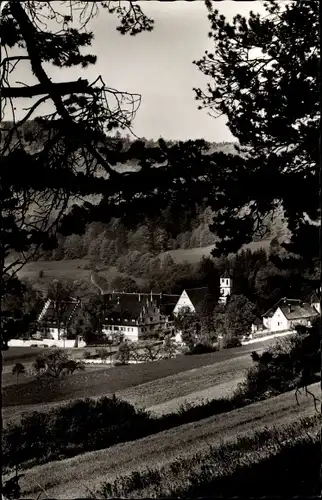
227 282
116 328
151 319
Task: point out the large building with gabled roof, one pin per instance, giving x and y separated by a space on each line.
55 318
138 316
192 299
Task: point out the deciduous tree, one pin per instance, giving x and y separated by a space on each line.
18 369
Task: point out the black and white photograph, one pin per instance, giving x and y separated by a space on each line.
160 235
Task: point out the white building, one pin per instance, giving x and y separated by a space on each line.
55 318
226 284
137 315
288 313
190 300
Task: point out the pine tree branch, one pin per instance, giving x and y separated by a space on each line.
29 34
80 86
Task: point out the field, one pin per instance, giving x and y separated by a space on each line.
70 478
71 270
79 269
194 255
239 467
160 385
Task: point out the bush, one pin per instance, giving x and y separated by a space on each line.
78 427
201 349
230 342
124 353
291 363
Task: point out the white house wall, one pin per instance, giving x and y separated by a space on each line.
183 302
225 289
317 307
279 321
129 332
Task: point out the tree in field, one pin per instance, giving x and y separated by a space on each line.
292 363
18 369
51 160
168 347
263 75
104 353
54 362
71 366
125 351
234 320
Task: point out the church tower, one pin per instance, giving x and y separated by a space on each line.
225 288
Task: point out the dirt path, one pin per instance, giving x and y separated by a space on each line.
70 478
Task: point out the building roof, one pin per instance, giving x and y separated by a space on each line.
226 274
257 321
293 309
197 296
50 314
301 310
314 298
129 306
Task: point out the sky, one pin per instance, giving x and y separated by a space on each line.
159 66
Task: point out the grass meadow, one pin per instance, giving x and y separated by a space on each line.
145 385
259 463
70 478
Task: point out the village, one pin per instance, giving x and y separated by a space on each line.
160 249
146 316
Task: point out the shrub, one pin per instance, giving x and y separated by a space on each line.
74 428
201 349
291 363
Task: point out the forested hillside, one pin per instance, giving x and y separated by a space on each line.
179 224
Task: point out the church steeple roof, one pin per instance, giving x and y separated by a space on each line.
226 274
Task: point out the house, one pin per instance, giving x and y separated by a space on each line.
314 299
287 313
55 318
191 300
138 315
